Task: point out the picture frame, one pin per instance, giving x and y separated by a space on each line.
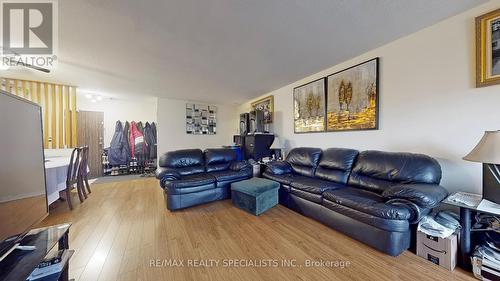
309 104
352 99
488 49
201 119
267 106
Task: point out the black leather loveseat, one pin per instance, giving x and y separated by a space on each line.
190 177
372 196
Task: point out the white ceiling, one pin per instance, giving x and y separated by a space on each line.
225 51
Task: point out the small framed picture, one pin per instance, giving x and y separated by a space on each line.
488 49
267 106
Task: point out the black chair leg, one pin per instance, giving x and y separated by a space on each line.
68 197
87 185
82 187
79 190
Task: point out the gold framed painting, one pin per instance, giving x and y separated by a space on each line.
352 98
267 105
488 49
309 107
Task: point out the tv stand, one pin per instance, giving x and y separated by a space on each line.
19 264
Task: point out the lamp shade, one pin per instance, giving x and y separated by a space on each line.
276 144
487 150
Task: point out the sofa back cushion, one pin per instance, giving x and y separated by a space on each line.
304 160
219 159
336 164
377 170
185 161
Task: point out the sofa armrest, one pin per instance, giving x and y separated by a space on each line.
423 195
278 167
239 165
163 173
417 213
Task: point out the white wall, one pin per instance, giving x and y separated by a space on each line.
123 109
172 126
428 102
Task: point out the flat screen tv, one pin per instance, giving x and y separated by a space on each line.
23 200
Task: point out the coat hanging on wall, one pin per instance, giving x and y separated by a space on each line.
136 142
150 141
126 142
118 151
154 153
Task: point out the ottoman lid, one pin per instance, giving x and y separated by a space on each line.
254 186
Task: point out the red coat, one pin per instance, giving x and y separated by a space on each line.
136 140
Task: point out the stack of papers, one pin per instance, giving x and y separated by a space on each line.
469 199
488 207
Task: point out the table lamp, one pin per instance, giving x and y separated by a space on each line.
487 151
276 146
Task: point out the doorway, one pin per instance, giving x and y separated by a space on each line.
90 132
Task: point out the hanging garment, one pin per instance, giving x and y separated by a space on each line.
131 140
118 154
140 127
141 157
136 142
148 139
126 136
153 153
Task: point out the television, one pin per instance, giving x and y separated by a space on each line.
23 199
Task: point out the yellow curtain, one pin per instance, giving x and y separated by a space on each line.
58 104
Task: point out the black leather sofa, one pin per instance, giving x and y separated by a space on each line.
372 196
190 177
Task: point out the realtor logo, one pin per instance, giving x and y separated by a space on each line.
27 28
29 33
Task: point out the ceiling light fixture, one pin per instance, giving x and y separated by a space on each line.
89 96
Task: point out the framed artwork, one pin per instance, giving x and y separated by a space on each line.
309 107
352 98
201 119
267 106
488 49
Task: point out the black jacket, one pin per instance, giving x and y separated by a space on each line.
118 151
153 152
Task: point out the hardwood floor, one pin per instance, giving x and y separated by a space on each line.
123 227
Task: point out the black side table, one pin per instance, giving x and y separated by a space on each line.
466 212
18 265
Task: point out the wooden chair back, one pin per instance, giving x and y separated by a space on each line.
74 165
84 160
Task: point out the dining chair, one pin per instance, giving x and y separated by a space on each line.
84 169
72 177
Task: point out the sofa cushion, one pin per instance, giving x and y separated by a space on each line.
191 180
366 202
377 170
336 164
219 159
313 197
185 161
190 189
278 167
378 222
304 160
240 165
313 185
230 175
283 179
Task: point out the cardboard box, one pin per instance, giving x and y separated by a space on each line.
441 251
